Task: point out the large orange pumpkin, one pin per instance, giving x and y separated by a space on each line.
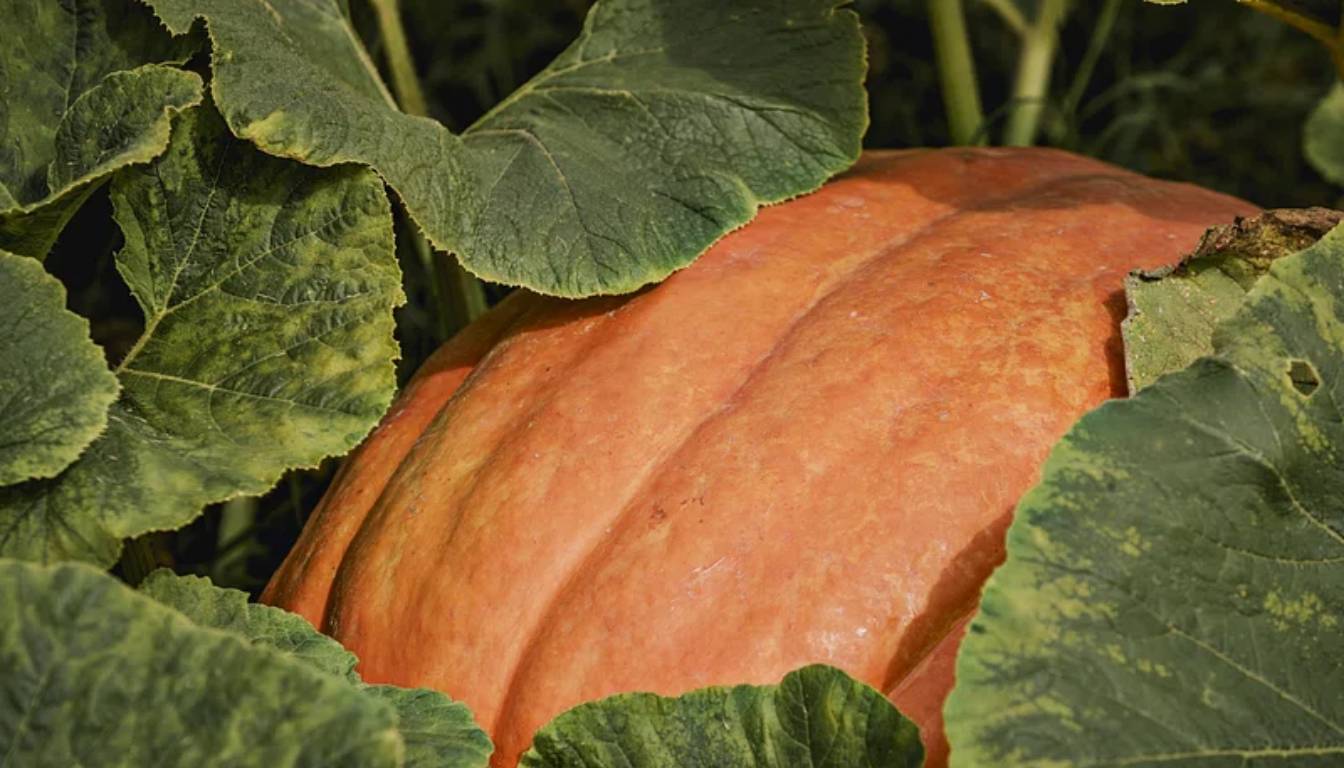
806 447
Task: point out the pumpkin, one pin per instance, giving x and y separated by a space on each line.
804 448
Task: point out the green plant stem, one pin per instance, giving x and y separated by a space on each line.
956 71
1331 38
296 498
1033 74
405 83
458 296
1083 75
139 558
1009 12
236 518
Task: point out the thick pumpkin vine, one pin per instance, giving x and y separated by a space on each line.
253 157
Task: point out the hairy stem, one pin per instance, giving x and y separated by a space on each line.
1033 74
956 71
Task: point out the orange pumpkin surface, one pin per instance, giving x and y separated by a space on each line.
804 448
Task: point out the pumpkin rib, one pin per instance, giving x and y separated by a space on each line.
906 241
511 433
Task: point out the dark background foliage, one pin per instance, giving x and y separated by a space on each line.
1209 92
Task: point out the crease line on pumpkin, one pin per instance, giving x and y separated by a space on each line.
970 206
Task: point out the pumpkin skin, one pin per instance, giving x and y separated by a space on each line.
804 448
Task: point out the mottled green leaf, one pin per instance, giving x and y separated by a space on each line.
1174 589
1173 311
97 675
1323 136
84 93
229 610
55 387
267 289
437 731
816 716
664 126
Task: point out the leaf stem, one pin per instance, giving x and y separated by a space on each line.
1033 74
458 296
956 71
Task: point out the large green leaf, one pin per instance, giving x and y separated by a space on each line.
267 289
229 610
1173 311
816 716
97 675
1174 590
55 387
665 125
437 731
84 94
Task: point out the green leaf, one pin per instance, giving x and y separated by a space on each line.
1174 589
1323 136
85 93
1173 311
55 387
229 610
816 716
97 675
437 731
664 126
267 289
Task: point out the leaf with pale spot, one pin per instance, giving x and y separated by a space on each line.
267 289
663 127
86 91
55 387
1174 589
816 716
